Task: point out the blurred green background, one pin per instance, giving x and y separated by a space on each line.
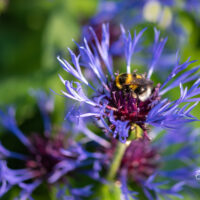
33 33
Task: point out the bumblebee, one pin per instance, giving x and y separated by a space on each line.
137 84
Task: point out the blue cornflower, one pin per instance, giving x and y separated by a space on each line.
155 167
47 159
197 174
191 6
129 13
162 13
124 102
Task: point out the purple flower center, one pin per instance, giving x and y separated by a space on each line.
46 154
140 160
129 108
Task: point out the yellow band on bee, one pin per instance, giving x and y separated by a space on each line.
118 83
129 79
133 87
138 76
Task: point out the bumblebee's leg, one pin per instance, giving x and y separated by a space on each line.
126 89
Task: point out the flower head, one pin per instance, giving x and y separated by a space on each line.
149 165
126 103
131 13
47 159
140 160
126 11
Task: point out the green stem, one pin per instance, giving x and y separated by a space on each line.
116 160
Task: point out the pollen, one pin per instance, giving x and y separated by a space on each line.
118 184
138 76
136 131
